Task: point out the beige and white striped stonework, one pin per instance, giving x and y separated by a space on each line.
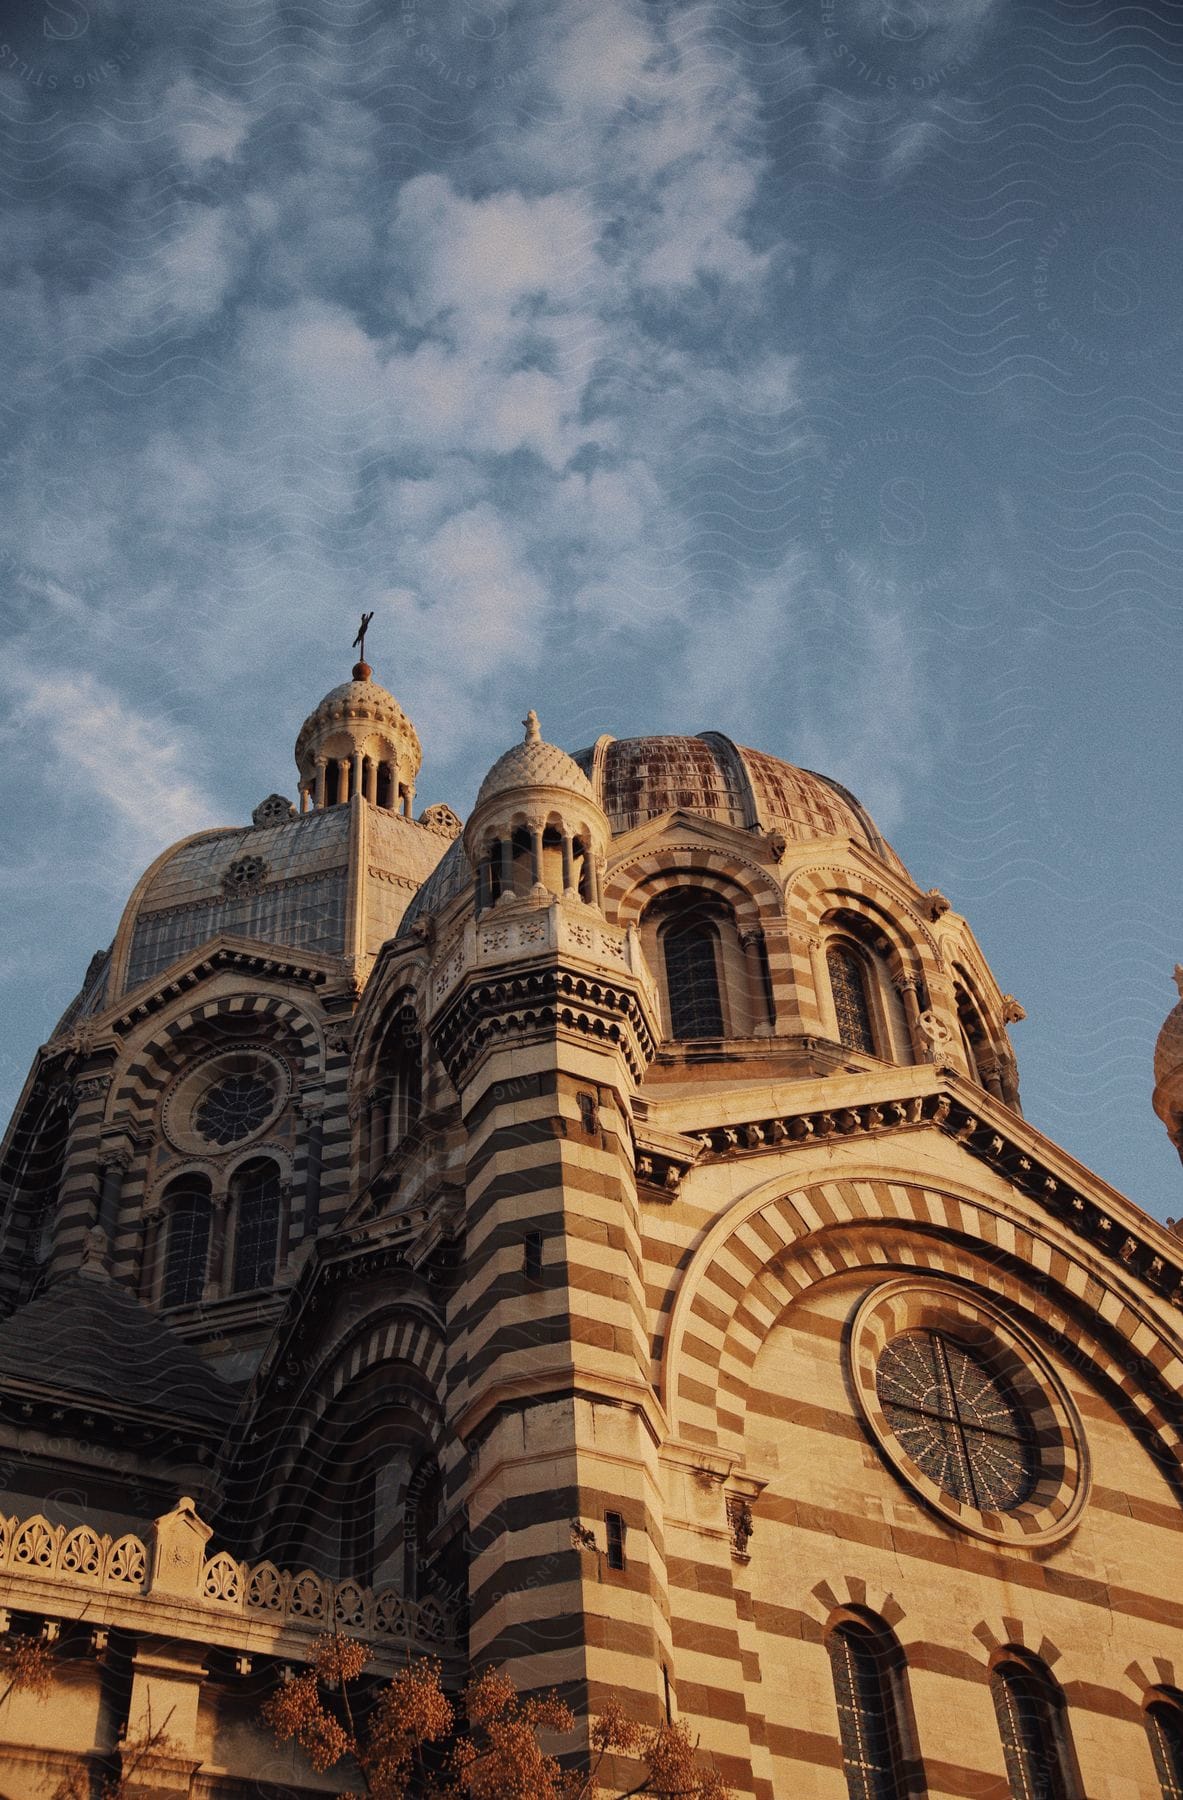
589 1269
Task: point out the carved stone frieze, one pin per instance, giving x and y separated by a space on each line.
536 1000
1018 1164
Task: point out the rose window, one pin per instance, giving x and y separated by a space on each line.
234 1108
244 875
957 1420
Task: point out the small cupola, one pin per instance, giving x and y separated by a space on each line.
537 831
358 741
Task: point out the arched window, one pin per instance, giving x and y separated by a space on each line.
186 1243
1034 1731
866 1664
255 1197
690 947
1164 1727
848 984
403 1066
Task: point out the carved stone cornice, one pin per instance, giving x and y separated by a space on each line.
223 956
1018 1159
534 1001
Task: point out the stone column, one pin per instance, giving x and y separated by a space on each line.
305 796
568 862
372 780
990 1073
760 999
391 785
358 765
506 865
114 1165
905 986
342 779
321 768
217 1268
823 996
149 1270
535 854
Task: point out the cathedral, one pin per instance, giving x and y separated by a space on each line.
601 1239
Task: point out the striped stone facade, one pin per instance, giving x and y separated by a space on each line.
569 1353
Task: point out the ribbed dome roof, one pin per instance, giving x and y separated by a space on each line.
362 698
636 779
534 763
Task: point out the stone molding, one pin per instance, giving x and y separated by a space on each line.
388 875
542 1001
1017 1161
265 962
506 975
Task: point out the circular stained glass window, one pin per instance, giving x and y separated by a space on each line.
957 1420
234 1107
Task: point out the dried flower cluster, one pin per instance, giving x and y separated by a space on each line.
410 1741
26 1666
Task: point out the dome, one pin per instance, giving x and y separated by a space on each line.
452 875
306 883
358 740
534 763
361 699
636 779
1168 1051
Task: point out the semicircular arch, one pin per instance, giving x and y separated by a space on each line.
152 1064
756 901
772 1245
400 1336
812 892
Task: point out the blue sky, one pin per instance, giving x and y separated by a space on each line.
809 373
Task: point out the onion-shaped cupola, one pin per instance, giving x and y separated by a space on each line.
1168 1069
358 741
537 831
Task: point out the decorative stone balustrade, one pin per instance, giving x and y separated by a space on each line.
81 1558
73 1554
573 931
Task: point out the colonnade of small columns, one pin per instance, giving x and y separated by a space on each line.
357 774
495 878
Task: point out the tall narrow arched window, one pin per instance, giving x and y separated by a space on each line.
1164 1727
863 1662
848 984
256 1199
186 1243
1033 1729
690 946
403 1065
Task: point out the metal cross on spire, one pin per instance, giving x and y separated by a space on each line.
359 642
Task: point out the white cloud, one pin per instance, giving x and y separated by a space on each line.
208 126
103 750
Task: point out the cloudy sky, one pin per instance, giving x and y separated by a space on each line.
809 372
